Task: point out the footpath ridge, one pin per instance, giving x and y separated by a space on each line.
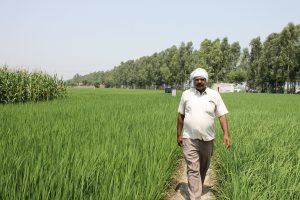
179 186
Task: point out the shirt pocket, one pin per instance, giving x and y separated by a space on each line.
188 106
210 107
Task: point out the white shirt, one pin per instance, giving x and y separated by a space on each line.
200 111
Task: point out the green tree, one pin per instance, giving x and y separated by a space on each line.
235 54
166 74
76 79
216 60
205 58
236 76
289 43
270 71
256 50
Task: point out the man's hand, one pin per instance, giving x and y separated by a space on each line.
226 141
224 125
179 140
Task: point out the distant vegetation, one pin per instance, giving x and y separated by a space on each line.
22 86
267 66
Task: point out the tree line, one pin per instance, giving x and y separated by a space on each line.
266 66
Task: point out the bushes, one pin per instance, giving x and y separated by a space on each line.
21 86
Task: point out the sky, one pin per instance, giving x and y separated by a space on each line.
66 37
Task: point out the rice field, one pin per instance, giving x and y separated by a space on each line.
121 144
264 162
96 144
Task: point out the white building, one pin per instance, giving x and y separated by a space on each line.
223 87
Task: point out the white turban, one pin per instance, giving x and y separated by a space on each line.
199 72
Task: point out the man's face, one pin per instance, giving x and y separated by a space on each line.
200 83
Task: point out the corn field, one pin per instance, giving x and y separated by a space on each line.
121 144
20 86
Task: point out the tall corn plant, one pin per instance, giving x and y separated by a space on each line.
21 86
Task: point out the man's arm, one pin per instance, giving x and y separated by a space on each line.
180 120
224 125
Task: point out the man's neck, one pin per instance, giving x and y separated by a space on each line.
201 91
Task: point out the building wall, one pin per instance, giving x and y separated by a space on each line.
223 87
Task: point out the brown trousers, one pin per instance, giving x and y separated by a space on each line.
197 154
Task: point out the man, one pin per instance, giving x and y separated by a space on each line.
198 107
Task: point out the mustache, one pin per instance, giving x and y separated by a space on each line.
200 85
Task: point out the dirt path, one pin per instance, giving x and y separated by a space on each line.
179 185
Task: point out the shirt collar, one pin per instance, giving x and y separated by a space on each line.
198 93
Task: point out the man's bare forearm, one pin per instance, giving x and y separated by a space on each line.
224 124
179 124
179 128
